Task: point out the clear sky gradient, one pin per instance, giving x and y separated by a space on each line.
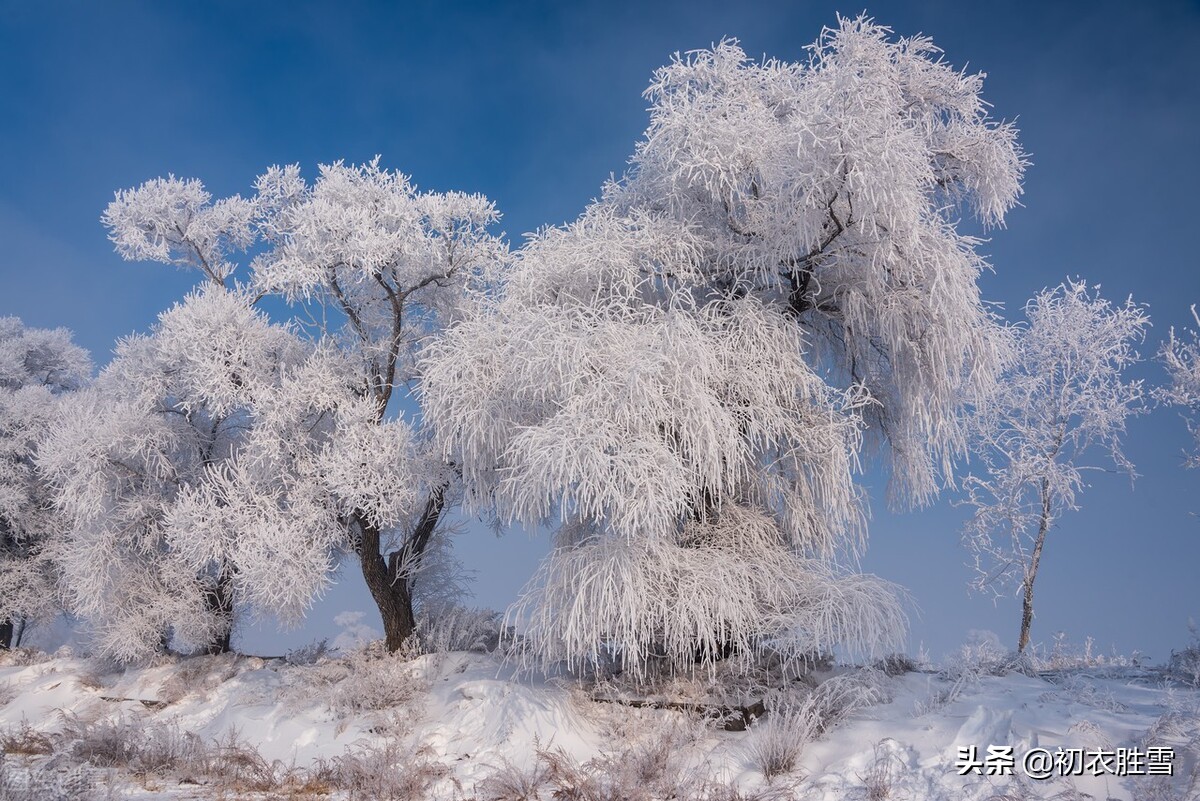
535 105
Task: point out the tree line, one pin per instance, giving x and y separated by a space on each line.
682 383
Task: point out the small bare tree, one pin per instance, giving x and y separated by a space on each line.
1062 401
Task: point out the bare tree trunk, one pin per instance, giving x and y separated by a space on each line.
7 543
220 603
390 579
390 592
1031 571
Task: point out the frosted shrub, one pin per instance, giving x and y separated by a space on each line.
984 657
310 654
366 680
377 684
512 783
897 664
443 628
1184 665
1180 355
658 764
775 744
937 699
237 765
24 739
46 783
885 771
198 674
651 764
962 670
645 772
105 743
1179 727
838 697
1080 689
386 773
23 656
163 749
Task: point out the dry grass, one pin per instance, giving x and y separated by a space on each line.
47 783
879 781
896 665
1179 726
24 740
367 680
776 744
447 627
158 756
1184 665
387 773
198 674
512 783
21 657
643 772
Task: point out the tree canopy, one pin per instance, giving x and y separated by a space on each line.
779 274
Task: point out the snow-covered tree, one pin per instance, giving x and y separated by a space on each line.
683 375
1062 403
1181 356
394 265
333 461
37 367
165 419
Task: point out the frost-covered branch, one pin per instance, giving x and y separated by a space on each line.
174 221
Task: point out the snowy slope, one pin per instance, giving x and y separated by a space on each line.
478 729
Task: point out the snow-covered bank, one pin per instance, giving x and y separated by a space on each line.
463 726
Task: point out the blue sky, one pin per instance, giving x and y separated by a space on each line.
535 105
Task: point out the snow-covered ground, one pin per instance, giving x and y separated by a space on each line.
465 726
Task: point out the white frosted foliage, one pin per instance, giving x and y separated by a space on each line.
1180 354
173 220
37 368
833 188
730 587
313 454
777 280
167 416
